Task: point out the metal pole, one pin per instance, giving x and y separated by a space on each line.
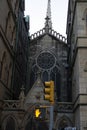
51 117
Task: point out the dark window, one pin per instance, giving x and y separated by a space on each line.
56 77
45 76
10 124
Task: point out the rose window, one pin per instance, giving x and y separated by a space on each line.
46 60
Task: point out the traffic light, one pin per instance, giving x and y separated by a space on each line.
49 91
40 113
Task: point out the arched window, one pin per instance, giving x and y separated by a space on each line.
56 77
45 76
64 122
10 125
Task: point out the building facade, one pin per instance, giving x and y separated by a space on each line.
7 44
77 43
13 54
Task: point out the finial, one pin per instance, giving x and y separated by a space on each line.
22 95
48 23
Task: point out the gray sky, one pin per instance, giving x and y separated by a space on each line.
37 9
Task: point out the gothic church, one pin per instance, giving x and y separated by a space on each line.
26 62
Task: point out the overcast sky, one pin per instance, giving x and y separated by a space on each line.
37 9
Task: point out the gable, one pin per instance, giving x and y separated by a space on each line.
36 94
51 33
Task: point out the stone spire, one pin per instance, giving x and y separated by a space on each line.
48 23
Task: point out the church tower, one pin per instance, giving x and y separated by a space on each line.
77 59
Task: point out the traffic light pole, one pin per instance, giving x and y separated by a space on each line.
49 95
51 117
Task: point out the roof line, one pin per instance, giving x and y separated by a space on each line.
50 32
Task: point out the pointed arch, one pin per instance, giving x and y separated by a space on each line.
56 77
9 123
45 76
63 122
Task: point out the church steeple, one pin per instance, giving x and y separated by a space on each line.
48 22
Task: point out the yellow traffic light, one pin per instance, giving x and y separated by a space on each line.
37 112
49 91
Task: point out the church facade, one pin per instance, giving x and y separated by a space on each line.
48 53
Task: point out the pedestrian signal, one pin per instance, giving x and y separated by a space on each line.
40 113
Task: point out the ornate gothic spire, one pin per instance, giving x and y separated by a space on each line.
48 22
